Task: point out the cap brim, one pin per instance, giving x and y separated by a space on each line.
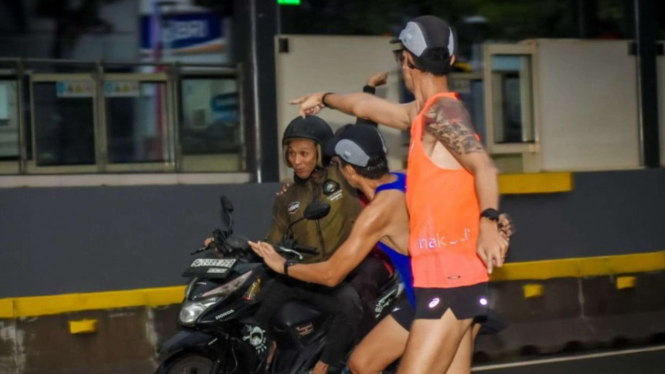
329 147
395 40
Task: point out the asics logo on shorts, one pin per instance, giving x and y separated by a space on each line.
434 302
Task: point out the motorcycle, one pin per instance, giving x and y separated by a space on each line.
217 334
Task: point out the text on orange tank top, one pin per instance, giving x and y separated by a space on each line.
444 217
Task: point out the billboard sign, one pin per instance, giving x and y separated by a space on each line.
184 33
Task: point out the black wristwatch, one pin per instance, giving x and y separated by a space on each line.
323 99
287 264
369 89
491 214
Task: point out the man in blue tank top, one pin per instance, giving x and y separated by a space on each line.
361 157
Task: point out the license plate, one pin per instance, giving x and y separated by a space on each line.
212 262
210 267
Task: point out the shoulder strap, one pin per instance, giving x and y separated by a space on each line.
399 184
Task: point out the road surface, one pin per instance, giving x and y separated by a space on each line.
649 360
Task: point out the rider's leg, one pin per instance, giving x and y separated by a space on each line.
382 346
433 343
367 278
273 295
343 303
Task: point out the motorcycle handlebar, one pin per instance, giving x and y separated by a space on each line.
305 249
201 249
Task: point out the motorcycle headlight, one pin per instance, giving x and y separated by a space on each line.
192 310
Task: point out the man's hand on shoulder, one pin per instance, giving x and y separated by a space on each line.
506 226
285 187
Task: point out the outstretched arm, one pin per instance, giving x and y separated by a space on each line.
450 124
367 231
361 105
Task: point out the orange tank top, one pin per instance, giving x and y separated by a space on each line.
444 218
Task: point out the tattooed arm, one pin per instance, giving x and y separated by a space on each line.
450 124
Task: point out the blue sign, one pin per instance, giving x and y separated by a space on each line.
225 107
184 33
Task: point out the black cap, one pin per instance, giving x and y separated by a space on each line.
356 144
424 33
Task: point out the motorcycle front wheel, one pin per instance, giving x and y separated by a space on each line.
188 364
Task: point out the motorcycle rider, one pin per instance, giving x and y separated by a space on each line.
316 180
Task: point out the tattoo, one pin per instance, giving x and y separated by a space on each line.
450 124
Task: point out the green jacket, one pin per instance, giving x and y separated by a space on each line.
327 185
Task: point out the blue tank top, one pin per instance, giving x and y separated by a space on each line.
401 262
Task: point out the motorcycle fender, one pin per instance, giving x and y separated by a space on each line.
185 340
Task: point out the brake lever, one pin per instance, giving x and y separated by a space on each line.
291 251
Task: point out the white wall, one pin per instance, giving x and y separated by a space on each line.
335 64
588 101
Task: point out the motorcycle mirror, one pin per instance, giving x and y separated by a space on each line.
316 210
226 204
225 213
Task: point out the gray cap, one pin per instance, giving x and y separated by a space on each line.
356 144
425 33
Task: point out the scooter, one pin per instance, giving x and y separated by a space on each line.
217 334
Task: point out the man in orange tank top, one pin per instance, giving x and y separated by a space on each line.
452 197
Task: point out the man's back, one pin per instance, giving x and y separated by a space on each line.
444 229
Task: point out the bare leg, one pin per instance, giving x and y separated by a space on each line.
475 329
433 344
462 362
383 345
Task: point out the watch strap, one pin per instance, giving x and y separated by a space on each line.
287 264
491 214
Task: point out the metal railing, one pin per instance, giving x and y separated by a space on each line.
115 117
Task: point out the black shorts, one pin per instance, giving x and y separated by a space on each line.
404 314
465 302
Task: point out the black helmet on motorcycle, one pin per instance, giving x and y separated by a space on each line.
312 128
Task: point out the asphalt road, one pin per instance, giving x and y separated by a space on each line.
649 360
